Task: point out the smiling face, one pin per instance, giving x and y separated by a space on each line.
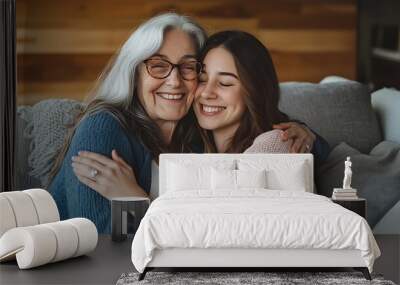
168 99
219 101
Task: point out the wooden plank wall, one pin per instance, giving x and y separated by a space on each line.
62 46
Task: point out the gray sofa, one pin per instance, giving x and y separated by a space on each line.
340 111
361 125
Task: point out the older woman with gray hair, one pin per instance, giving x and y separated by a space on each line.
135 114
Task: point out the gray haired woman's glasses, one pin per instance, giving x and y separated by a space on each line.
161 68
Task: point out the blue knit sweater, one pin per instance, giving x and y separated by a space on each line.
100 133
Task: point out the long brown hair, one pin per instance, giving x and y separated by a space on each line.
258 76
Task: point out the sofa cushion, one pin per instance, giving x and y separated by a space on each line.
338 111
375 176
45 126
389 224
386 104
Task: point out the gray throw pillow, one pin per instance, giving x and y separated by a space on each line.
47 129
338 111
375 176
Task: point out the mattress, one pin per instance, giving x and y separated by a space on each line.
250 219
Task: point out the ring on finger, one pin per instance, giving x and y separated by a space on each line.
308 147
93 173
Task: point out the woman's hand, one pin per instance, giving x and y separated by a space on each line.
303 138
109 177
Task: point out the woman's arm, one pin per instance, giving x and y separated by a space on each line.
305 140
99 133
320 150
302 137
270 142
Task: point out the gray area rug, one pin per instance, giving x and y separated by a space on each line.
270 278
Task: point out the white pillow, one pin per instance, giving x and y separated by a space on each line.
283 174
183 174
223 179
293 179
181 177
236 179
251 178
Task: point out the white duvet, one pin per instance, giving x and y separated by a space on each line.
251 218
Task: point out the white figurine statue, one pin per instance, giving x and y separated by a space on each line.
347 174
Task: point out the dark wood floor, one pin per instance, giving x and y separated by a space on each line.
110 260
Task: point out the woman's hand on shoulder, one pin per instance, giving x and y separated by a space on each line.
109 177
303 138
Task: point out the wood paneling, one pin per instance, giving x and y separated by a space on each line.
312 67
311 40
63 46
30 93
59 67
70 40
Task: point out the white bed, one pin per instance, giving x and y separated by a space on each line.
203 218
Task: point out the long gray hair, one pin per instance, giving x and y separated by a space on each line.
115 89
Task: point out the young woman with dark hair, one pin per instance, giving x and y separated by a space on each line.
238 95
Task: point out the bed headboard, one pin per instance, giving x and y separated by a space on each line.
286 162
